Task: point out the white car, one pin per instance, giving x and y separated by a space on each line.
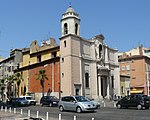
30 100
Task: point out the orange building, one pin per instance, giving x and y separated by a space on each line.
38 57
138 68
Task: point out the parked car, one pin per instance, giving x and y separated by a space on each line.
30 100
136 100
76 103
95 102
49 100
17 102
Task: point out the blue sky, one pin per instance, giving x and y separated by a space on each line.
124 23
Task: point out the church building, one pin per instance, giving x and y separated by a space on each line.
88 67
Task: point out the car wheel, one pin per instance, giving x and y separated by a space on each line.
61 108
50 104
139 107
146 107
31 103
35 104
119 106
78 110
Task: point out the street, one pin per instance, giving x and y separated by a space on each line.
104 113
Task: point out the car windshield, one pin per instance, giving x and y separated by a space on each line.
81 99
21 98
54 98
29 98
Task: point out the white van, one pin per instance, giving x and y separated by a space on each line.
30 100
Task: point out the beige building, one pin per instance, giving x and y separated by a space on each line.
125 85
88 67
7 68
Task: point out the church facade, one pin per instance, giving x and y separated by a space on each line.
87 67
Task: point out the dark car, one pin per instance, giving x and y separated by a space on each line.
49 100
17 102
136 100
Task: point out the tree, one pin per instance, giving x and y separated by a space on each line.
18 78
2 85
10 81
42 76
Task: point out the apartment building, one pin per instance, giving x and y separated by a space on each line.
7 67
136 64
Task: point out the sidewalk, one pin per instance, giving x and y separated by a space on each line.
12 116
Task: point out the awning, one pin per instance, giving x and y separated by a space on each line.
136 91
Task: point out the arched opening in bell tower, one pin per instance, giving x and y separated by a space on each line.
65 29
76 28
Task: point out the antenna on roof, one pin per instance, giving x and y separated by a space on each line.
48 35
0 35
69 4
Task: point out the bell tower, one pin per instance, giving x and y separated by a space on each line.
70 53
70 22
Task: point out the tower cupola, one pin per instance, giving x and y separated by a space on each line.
70 22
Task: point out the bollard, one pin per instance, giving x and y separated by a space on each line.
28 113
10 109
59 116
46 115
104 104
6 109
1 108
37 114
74 118
15 110
21 112
114 104
92 118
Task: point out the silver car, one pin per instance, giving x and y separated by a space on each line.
76 103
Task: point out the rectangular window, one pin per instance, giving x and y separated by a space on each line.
9 69
112 81
122 90
39 58
12 68
54 54
128 67
87 80
123 68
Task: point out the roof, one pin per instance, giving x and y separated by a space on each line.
70 9
132 57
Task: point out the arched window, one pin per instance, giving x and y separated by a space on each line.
100 50
64 43
65 28
76 28
87 80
